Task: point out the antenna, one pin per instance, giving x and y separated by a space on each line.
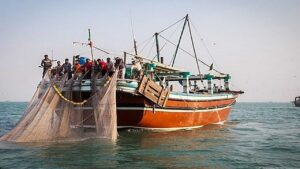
52 54
132 32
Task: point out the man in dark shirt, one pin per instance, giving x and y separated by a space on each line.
58 69
110 67
67 68
46 64
119 64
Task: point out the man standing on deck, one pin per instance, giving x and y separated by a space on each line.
58 69
67 68
87 67
119 64
110 67
136 70
77 69
46 64
103 67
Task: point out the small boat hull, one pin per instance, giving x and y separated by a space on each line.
297 101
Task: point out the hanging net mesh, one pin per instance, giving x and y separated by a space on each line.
57 112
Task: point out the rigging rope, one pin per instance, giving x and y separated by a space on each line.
172 34
205 46
190 54
146 44
150 50
171 25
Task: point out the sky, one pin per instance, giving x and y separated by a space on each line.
257 42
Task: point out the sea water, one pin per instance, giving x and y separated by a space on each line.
257 135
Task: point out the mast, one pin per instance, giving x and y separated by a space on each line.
92 53
91 45
133 37
157 46
184 24
190 31
52 54
135 48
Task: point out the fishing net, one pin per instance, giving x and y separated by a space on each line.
104 105
56 112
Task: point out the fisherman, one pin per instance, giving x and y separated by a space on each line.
87 68
136 69
205 91
110 67
119 64
216 89
58 69
46 64
77 69
97 67
67 68
221 88
103 67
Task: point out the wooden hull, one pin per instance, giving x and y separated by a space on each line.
169 119
138 112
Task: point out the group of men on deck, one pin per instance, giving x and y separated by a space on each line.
99 66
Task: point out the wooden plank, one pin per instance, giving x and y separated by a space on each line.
161 97
153 91
166 98
143 85
151 97
155 86
146 88
141 89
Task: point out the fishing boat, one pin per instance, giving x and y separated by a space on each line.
297 101
149 101
146 94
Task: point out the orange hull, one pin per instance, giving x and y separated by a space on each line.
164 118
136 111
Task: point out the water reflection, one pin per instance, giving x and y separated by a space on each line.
136 148
83 154
172 149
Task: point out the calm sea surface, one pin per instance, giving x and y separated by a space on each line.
257 135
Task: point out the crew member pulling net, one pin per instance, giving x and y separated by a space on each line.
52 115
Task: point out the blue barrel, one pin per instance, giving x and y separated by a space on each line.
82 60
